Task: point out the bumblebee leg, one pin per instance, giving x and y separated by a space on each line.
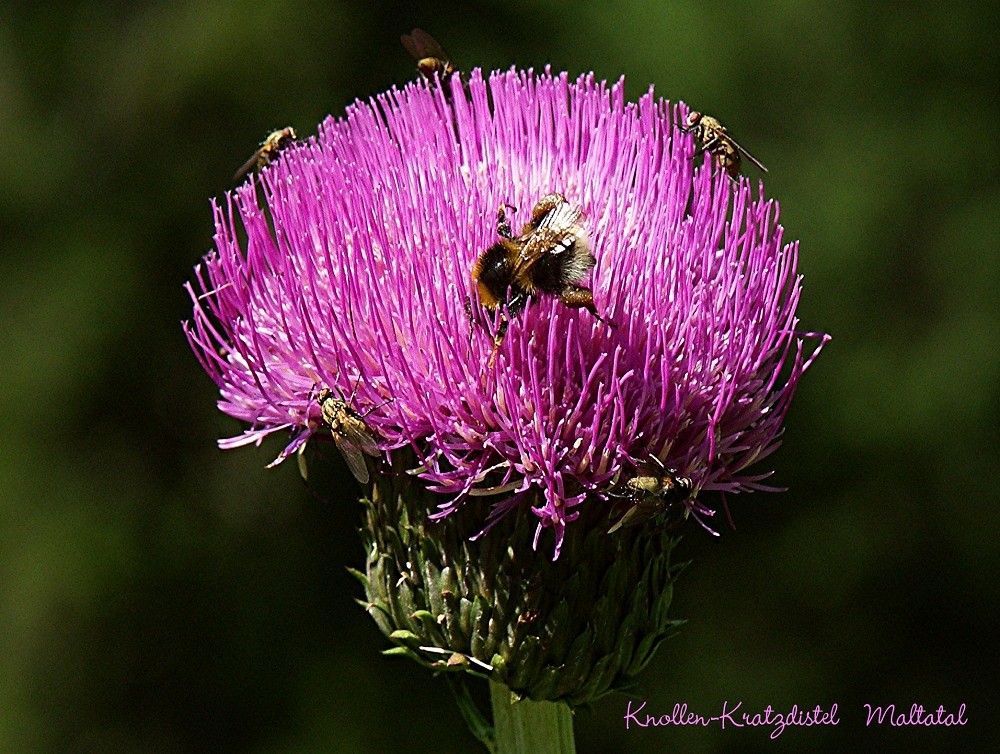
516 304
501 332
542 208
503 224
578 297
497 342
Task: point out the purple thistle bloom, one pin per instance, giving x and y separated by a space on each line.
363 282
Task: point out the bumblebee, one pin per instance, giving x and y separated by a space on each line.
350 433
658 493
713 138
550 256
268 152
430 58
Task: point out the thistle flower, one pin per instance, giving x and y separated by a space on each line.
356 278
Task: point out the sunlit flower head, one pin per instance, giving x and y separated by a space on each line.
356 276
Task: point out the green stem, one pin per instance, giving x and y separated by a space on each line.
527 726
478 725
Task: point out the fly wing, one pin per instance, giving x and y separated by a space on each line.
352 455
634 516
356 433
247 166
422 45
303 464
746 154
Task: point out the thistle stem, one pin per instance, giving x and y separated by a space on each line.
527 726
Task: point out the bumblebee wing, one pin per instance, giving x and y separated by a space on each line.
557 232
563 216
352 455
531 251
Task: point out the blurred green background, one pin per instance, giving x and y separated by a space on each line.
159 595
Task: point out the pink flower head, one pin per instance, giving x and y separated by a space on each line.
357 277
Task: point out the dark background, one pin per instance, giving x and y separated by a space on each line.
159 595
